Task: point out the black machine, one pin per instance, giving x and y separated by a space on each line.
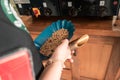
68 7
23 6
51 8
88 7
99 8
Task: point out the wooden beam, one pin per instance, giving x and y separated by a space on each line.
114 63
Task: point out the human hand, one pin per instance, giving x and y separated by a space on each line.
63 52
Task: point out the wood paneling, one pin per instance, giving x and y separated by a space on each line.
114 63
85 78
67 72
66 75
118 75
93 58
99 59
34 35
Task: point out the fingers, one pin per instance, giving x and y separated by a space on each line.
70 58
65 42
64 47
73 51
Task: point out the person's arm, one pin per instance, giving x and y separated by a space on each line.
53 71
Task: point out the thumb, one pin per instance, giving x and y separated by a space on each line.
65 42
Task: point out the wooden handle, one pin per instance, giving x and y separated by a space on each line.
78 42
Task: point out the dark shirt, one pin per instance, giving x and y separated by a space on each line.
12 38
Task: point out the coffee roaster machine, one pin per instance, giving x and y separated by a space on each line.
23 6
71 8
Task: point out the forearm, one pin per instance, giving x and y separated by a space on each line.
52 71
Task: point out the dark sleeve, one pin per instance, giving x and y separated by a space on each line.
12 37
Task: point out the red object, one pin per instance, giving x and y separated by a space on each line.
35 11
16 66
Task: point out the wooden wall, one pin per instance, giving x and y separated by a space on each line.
99 59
